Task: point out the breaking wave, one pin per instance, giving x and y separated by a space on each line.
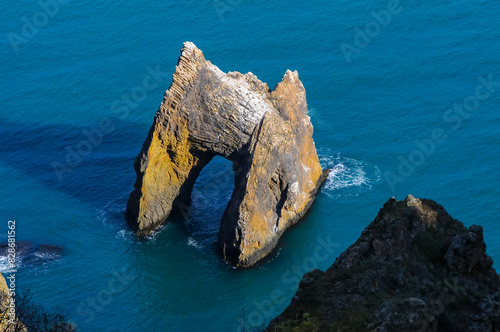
349 177
192 242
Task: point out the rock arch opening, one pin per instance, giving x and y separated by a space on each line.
209 198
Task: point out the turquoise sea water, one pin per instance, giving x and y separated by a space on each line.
389 106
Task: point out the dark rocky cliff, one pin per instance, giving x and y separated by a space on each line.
414 268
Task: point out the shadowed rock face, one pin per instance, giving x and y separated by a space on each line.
414 268
265 133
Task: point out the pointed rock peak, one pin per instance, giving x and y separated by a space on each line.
291 78
288 94
412 201
191 53
423 213
189 46
390 202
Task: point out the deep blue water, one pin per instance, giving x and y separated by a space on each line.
373 115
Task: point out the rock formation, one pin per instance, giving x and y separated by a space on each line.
4 301
19 314
265 133
414 268
9 322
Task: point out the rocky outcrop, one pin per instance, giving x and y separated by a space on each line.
19 314
265 133
4 301
414 268
9 322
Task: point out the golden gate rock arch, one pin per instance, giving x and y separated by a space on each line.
265 133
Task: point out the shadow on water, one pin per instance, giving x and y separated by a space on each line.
106 171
